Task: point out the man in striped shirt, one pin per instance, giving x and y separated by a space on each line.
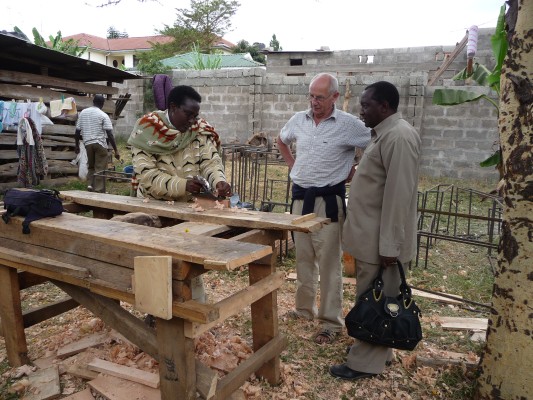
95 129
326 140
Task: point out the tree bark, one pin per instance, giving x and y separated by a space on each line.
505 368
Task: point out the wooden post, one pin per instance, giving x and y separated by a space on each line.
11 315
265 312
177 366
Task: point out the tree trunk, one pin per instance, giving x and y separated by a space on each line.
506 363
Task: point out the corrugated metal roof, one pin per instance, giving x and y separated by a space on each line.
238 60
19 55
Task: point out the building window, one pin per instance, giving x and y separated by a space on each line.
296 61
115 63
135 61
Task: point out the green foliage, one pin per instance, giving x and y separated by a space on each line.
483 77
209 17
57 43
274 43
194 29
149 65
244 47
112 33
204 61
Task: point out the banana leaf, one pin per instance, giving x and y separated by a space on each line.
492 160
499 49
452 97
479 74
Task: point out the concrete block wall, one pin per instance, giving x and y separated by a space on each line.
239 103
455 139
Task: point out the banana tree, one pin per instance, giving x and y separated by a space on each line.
483 77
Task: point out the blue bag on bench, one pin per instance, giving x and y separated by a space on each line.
33 204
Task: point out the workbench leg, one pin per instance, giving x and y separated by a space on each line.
265 319
176 360
11 315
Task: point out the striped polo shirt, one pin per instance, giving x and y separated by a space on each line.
93 123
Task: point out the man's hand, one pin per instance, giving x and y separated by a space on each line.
351 174
388 261
194 185
223 189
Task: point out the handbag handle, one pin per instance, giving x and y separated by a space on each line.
405 290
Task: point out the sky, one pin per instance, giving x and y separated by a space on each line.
298 24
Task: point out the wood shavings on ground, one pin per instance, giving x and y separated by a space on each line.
170 202
146 200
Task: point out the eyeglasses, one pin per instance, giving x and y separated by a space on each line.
318 99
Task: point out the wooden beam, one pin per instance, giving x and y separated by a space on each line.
19 92
237 302
23 78
239 375
131 327
177 366
27 280
40 314
447 61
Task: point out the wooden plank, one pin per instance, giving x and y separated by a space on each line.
458 323
113 388
447 358
57 83
239 375
206 380
198 228
235 303
153 285
44 263
83 395
183 211
192 248
44 384
436 297
19 92
122 371
59 129
50 154
82 344
303 218
12 320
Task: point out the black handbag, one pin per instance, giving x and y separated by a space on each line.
386 321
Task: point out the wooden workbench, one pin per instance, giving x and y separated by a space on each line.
93 259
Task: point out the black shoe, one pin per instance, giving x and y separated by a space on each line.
344 372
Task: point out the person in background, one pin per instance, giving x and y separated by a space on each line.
326 140
380 226
95 129
171 148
